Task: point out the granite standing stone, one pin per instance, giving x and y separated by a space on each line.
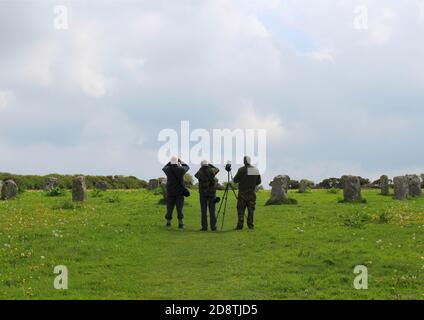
303 186
384 185
51 183
9 190
401 187
79 189
351 188
163 188
414 183
280 186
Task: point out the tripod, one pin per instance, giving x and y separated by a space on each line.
223 204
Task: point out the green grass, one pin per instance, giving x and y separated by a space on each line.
122 249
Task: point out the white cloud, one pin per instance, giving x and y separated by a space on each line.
250 118
323 56
86 66
6 98
421 10
383 27
36 64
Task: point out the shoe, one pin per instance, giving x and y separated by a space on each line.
203 229
239 228
168 223
180 224
214 229
251 228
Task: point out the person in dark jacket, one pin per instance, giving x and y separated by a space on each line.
207 193
248 178
175 171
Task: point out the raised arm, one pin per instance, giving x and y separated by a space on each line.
165 168
185 166
236 178
215 170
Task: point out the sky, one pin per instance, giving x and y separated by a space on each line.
338 84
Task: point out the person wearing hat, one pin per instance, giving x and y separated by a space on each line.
207 193
175 187
248 178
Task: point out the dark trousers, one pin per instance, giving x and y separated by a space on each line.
171 203
205 202
243 202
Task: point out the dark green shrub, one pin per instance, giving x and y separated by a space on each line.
96 193
114 198
68 205
56 192
357 220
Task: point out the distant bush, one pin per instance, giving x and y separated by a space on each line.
337 183
293 184
33 182
330 183
188 180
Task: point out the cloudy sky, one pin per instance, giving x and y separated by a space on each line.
338 84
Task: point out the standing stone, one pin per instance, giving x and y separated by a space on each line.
51 183
153 184
1 188
79 189
280 186
401 187
384 185
303 186
9 190
101 185
163 188
351 188
414 183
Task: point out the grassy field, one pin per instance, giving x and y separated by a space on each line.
117 247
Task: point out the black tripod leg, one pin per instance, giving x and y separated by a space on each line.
225 207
